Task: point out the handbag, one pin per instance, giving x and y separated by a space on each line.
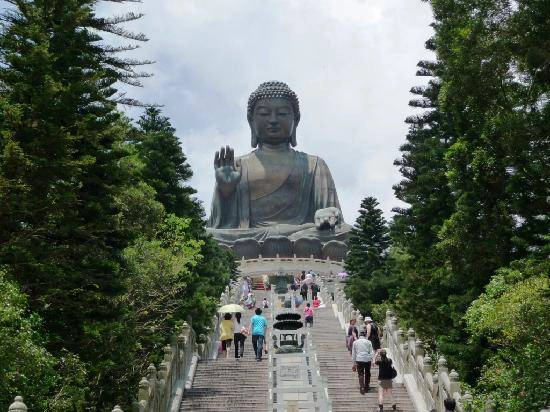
393 373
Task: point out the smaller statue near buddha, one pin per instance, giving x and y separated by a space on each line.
274 190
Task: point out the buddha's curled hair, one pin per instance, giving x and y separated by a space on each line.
273 90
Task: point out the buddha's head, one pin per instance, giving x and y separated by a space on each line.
273 114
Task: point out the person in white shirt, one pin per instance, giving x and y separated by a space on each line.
361 355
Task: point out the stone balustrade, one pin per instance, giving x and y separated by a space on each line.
291 265
428 384
162 388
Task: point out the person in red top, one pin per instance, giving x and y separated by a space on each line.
308 315
316 302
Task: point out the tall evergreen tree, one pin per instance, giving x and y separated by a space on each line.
58 223
369 242
165 165
422 296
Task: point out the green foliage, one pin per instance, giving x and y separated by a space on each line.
473 172
99 234
369 241
26 367
512 314
165 165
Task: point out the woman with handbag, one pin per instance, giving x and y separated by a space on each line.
386 373
239 335
352 335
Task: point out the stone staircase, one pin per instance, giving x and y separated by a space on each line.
343 386
227 384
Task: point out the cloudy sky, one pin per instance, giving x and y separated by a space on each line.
351 62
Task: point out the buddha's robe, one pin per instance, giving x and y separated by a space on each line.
282 203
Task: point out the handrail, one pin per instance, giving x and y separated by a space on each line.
427 388
162 390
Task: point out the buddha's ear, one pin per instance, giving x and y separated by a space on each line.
293 141
253 137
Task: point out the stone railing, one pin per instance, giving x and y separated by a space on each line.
428 388
291 265
416 369
162 388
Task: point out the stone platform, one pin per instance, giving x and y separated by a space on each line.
304 247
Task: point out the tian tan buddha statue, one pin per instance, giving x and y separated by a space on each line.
276 197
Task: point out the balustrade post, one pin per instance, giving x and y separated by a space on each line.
442 365
360 322
144 390
427 365
393 326
419 348
163 371
490 405
466 401
411 338
18 405
400 336
152 373
455 384
117 409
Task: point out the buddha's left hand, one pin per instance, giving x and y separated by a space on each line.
327 218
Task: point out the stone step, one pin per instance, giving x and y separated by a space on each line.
335 363
227 384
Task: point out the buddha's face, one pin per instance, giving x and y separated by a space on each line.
273 121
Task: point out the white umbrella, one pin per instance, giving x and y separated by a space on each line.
231 308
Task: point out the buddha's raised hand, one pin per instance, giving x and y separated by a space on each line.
228 172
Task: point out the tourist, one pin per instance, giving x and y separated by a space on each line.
373 333
352 334
316 302
361 355
303 276
293 284
314 290
258 326
245 289
308 315
303 291
449 404
250 301
226 334
264 303
239 335
386 373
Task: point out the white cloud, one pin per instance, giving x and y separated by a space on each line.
351 63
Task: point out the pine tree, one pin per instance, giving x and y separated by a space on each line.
369 242
166 168
60 240
422 295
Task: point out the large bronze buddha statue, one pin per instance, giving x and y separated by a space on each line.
274 191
